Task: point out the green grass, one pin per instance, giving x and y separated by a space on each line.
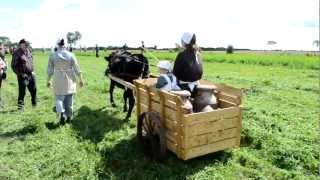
279 135
296 61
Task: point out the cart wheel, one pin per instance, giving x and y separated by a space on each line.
151 135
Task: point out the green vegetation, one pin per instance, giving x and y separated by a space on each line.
279 136
296 61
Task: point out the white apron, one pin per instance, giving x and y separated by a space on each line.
64 79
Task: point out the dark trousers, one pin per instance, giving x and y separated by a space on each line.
30 83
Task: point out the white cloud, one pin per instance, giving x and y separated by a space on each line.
245 24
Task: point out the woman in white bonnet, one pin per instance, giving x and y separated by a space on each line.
188 64
64 68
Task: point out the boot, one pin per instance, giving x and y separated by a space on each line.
62 119
20 106
68 120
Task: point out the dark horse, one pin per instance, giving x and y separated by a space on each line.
128 67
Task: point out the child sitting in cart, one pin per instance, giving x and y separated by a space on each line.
166 80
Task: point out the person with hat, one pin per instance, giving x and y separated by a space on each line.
22 66
64 68
188 64
166 81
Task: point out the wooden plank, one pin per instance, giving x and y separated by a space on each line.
172 146
180 129
230 98
143 108
154 97
147 82
225 104
170 125
224 88
209 148
121 81
138 100
171 136
212 126
239 129
212 115
204 139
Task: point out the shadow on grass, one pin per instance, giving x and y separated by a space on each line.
51 125
21 133
125 161
93 124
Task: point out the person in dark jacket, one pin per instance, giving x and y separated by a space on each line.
188 64
22 65
97 51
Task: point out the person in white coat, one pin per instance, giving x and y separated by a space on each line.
64 69
166 80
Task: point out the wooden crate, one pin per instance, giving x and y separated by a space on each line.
196 134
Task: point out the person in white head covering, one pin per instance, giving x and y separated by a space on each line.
64 68
166 81
188 64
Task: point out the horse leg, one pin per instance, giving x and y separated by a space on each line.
125 97
131 103
112 85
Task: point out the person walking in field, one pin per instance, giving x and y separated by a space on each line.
188 64
64 68
22 65
3 65
97 51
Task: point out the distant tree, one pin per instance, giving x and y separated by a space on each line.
73 37
5 40
271 42
230 49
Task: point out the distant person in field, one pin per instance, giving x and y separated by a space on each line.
97 51
64 68
22 65
166 80
188 64
3 64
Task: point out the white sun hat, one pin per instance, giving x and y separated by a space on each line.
186 37
165 64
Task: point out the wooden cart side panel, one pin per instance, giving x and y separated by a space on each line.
209 148
154 97
215 115
210 138
212 126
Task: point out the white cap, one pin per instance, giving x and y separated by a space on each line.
186 38
164 64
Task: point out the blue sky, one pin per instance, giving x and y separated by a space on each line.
293 24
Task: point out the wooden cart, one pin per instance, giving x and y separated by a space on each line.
164 124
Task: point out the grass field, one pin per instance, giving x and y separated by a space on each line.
279 139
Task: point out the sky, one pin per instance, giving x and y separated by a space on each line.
293 24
